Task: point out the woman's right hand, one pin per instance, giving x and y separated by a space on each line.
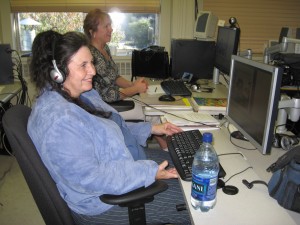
164 173
141 85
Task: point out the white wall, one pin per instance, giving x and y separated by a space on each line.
176 21
5 23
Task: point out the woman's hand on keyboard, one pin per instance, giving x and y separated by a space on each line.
164 173
165 128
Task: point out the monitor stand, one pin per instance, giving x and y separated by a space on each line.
216 75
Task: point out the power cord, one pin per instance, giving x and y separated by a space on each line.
251 184
250 167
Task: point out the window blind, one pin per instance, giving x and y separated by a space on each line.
129 6
259 20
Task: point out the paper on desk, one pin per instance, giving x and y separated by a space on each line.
155 89
187 127
192 119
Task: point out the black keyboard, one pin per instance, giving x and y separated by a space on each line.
182 147
175 88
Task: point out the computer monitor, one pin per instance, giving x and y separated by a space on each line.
253 99
6 65
226 45
285 32
205 25
190 56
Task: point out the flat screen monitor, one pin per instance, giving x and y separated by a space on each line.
205 25
226 45
254 93
6 65
285 32
192 56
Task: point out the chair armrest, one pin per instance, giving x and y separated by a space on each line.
122 105
135 195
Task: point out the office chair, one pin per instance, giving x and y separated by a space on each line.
53 208
151 62
122 105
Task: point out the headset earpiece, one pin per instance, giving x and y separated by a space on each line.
56 74
286 142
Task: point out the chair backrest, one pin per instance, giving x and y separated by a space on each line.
53 208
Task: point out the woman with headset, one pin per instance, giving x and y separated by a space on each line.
85 144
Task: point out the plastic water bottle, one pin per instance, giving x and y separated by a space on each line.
205 171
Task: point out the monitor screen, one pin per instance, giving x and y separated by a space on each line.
6 65
226 45
253 98
192 56
205 25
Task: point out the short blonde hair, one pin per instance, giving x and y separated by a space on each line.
92 20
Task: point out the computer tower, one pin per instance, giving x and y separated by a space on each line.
6 65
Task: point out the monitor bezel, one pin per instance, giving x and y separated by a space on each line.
192 56
210 26
273 100
231 48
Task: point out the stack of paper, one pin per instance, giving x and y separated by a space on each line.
155 107
155 89
193 120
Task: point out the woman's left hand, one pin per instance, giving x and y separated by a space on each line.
165 128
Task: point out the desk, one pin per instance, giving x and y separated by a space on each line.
9 91
249 206
220 91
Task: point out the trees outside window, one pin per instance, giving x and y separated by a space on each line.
131 30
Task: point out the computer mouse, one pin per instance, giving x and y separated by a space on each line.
166 98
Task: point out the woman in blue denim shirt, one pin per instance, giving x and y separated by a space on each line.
85 144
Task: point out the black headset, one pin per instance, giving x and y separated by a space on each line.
56 74
285 141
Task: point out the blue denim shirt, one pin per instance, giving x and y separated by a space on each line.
87 155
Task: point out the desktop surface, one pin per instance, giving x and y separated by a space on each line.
8 91
151 99
248 206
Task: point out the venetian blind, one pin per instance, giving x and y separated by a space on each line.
129 6
259 20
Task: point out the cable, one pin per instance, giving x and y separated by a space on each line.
232 153
250 184
250 167
4 145
236 144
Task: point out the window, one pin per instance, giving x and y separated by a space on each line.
131 30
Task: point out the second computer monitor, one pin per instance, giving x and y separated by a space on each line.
253 98
192 56
227 45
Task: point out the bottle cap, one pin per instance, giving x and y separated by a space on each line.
207 137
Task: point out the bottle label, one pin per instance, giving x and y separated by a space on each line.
204 189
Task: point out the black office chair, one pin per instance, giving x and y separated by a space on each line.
122 105
53 208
